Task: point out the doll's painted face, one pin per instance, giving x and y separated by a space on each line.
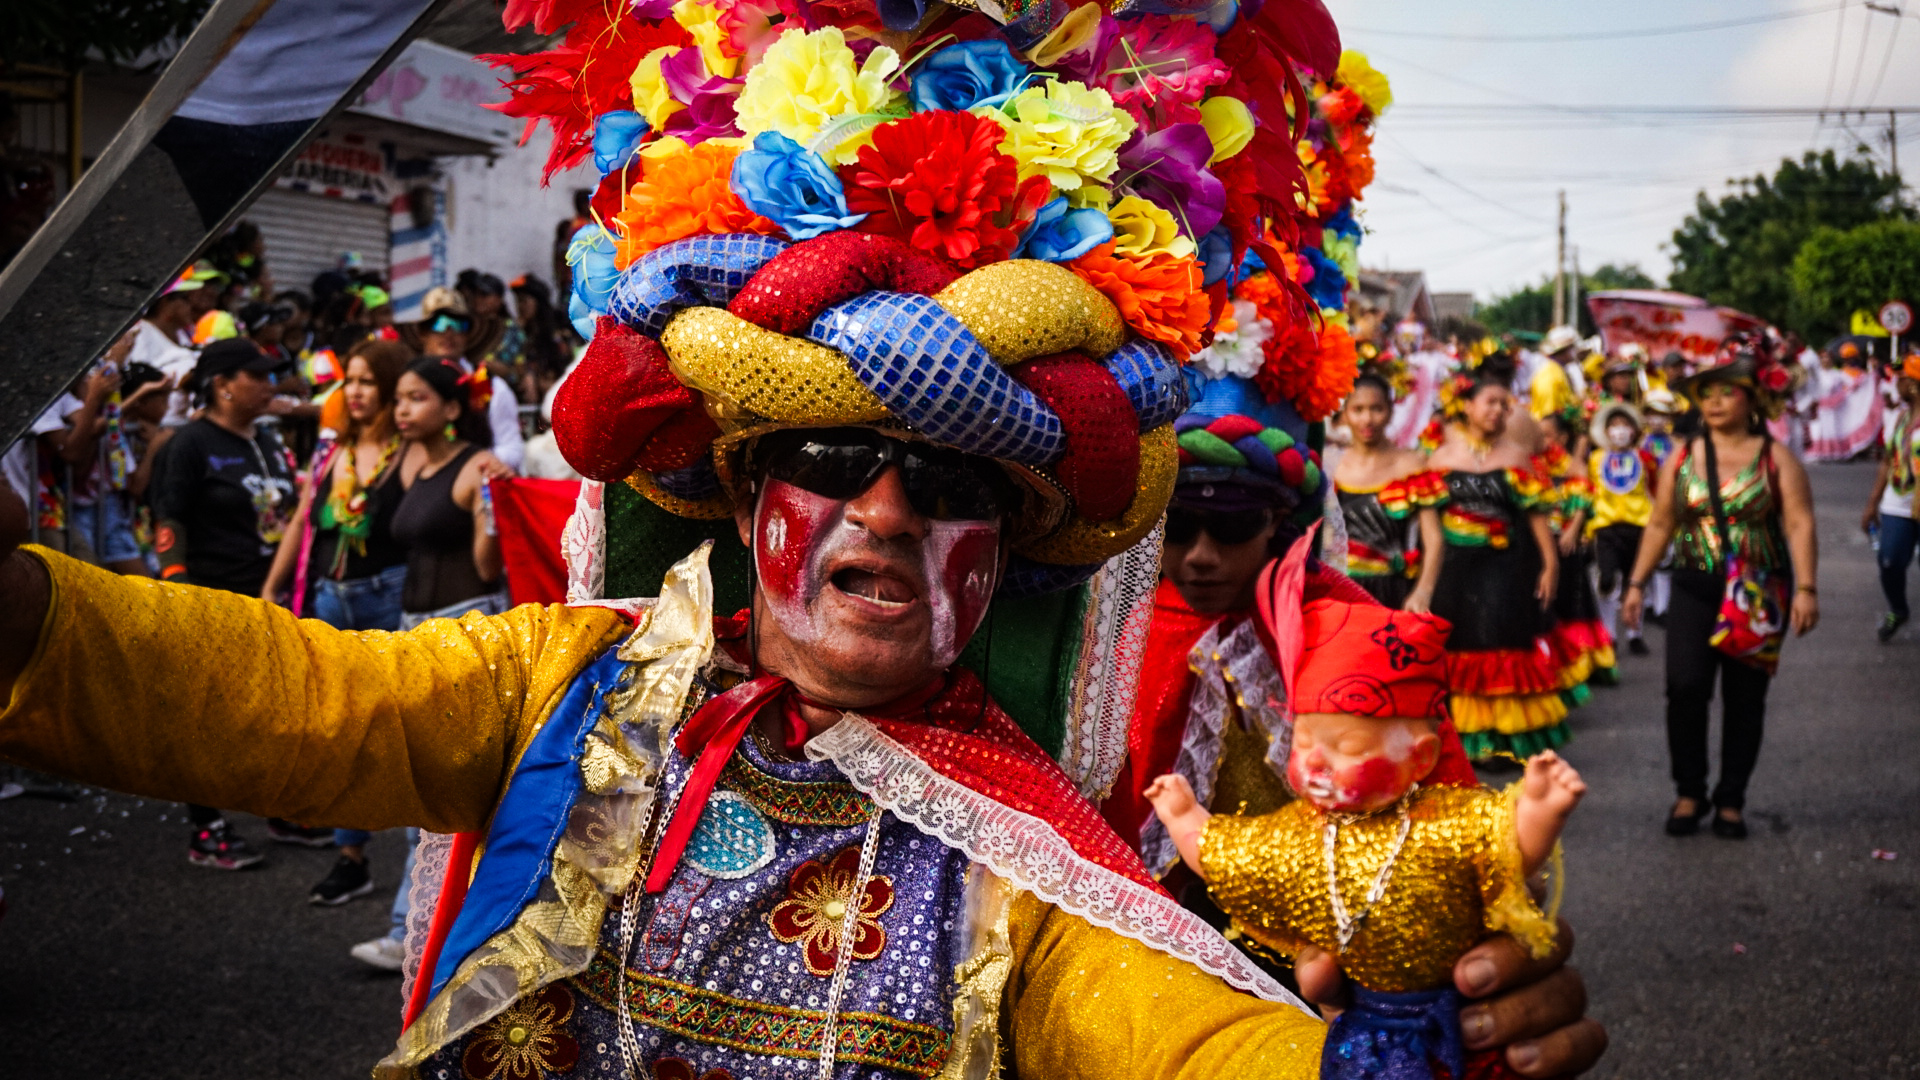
1357 764
838 581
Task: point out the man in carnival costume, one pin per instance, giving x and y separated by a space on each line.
806 839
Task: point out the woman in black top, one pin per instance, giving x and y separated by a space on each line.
341 556
222 492
445 520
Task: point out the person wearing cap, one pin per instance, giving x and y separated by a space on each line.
1731 502
1620 375
447 327
1895 503
1622 473
1553 387
221 492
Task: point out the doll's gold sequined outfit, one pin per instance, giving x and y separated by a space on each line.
1457 878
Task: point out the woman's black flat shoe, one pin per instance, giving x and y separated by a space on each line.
1729 830
1687 825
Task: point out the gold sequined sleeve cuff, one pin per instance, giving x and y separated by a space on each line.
195 695
1089 1004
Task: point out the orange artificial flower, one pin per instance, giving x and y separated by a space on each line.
681 195
1161 297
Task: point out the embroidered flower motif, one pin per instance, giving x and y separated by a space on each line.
527 1042
815 911
672 1068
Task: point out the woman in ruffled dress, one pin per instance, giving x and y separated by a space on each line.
1582 647
1391 502
1500 575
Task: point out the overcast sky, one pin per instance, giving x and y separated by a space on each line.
1468 194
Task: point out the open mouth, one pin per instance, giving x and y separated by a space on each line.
884 590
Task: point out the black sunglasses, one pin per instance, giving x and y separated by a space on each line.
1228 527
840 463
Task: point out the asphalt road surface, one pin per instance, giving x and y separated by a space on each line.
1789 955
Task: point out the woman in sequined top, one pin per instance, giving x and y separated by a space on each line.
1391 502
1500 577
1768 507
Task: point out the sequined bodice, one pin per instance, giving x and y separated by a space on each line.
731 966
1753 518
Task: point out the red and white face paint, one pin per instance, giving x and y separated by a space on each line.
804 547
1356 765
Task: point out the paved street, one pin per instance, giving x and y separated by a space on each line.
1791 955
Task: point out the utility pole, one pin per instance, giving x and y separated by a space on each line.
1560 268
1573 291
1893 145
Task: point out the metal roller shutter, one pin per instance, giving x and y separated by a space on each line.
306 234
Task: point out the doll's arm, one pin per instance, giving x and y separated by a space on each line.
1548 794
1185 819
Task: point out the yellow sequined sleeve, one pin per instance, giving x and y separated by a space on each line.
1088 1004
194 695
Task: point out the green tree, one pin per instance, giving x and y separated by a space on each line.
1531 308
1837 273
1739 250
64 33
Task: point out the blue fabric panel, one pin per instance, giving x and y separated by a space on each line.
529 820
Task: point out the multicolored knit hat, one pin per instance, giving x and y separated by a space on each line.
1001 229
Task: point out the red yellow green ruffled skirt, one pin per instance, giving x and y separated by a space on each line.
1509 702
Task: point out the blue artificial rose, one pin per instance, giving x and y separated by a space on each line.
590 256
1329 285
1216 255
967 75
789 185
616 138
1060 234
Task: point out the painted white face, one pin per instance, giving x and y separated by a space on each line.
1620 435
824 577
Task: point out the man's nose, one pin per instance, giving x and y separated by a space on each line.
884 511
1205 552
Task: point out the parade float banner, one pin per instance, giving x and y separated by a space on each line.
1665 322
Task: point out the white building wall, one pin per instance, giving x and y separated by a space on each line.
499 219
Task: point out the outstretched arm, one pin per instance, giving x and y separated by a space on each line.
194 695
1548 793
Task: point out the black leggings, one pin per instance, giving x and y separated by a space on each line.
1691 665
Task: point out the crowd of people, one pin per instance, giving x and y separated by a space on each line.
305 448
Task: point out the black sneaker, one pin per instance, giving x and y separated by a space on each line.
347 880
286 832
1638 646
217 847
1890 625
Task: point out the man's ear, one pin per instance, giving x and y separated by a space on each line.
743 519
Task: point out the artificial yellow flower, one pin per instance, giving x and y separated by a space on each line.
807 79
702 21
651 98
1229 124
1142 229
1090 197
1079 27
1065 132
1358 74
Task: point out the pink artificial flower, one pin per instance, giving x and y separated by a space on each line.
1159 68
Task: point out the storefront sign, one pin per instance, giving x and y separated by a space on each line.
432 86
342 167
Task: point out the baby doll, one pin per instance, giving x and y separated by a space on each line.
1395 877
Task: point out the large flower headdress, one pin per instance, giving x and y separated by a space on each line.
1002 228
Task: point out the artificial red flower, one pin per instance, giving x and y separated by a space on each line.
939 181
563 88
547 15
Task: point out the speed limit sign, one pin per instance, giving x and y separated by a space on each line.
1896 317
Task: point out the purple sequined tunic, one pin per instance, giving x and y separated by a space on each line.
732 964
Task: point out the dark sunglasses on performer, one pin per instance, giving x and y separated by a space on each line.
840 463
1228 527
446 324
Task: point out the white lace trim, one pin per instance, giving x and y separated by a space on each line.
1234 669
1028 852
1113 641
583 546
430 857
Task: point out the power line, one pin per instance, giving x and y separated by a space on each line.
1599 35
1833 65
1860 61
1885 58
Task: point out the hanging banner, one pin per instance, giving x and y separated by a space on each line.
1665 322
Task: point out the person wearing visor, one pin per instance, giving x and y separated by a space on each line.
447 327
